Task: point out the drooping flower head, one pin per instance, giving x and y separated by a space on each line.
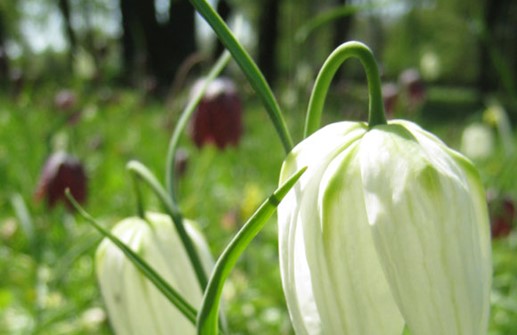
387 227
218 118
134 305
414 87
62 171
502 214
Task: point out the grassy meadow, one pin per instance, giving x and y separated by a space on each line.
47 277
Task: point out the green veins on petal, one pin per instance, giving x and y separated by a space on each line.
386 227
425 228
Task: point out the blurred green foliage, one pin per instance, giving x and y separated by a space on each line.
48 287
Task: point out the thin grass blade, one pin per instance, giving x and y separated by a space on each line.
250 69
171 209
183 120
170 293
208 315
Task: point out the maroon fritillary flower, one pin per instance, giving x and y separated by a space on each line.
412 83
218 118
502 216
65 100
62 171
390 93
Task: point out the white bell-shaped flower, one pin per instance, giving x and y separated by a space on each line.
387 227
134 305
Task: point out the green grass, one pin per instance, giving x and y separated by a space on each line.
219 191
48 286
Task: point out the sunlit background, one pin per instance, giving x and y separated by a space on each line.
88 85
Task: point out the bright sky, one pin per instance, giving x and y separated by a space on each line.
42 25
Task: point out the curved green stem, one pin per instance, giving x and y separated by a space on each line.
183 120
173 211
319 92
250 69
207 322
140 208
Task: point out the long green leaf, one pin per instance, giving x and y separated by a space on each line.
182 122
250 69
140 208
173 211
207 323
170 293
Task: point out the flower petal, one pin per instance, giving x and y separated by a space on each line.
427 230
322 240
351 292
134 305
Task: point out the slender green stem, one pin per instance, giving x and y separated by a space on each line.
319 92
330 15
140 208
172 295
250 69
173 211
183 120
207 322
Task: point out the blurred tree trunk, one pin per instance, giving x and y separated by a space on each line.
64 8
129 22
4 63
487 79
341 29
180 35
151 35
164 46
224 9
341 26
268 38
498 50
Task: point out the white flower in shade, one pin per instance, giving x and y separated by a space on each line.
387 227
477 141
134 305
